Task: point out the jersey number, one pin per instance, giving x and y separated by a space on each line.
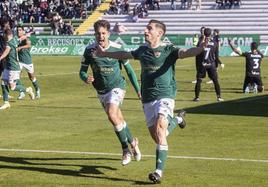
256 63
207 50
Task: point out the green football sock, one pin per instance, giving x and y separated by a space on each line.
128 133
172 124
122 136
5 92
20 88
35 84
161 156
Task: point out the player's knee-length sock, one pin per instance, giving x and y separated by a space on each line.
19 87
5 91
217 87
198 87
122 136
161 157
128 133
35 84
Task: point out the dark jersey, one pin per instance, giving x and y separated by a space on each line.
2 43
253 64
209 54
216 39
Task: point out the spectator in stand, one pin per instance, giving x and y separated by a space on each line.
183 4
135 16
119 28
113 7
56 24
222 4
156 2
125 7
190 3
198 4
68 28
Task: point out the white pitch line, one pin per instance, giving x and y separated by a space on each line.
72 73
115 154
53 74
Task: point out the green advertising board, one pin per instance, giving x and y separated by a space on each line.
75 45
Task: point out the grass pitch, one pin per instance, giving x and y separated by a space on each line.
224 144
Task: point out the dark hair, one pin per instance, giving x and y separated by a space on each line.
216 31
207 32
8 32
202 29
101 23
20 26
254 46
3 22
158 24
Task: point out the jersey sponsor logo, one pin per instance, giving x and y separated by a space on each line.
255 73
255 56
157 54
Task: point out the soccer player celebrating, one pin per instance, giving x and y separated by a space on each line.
207 64
25 59
110 86
158 85
253 68
12 70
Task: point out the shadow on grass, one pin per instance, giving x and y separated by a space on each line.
251 106
212 90
88 171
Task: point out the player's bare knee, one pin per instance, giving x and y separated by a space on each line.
12 86
161 122
32 77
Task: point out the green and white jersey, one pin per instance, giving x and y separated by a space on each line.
106 71
12 61
24 54
157 71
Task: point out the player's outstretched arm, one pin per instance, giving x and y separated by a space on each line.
233 48
120 55
185 53
133 78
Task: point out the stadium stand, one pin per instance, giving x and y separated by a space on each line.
98 12
38 15
250 17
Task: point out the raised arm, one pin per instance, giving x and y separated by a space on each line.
185 53
120 55
132 77
233 48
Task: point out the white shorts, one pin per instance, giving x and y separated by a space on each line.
10 76
163 106
115 96
29 67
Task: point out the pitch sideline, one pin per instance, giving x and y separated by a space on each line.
114 154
